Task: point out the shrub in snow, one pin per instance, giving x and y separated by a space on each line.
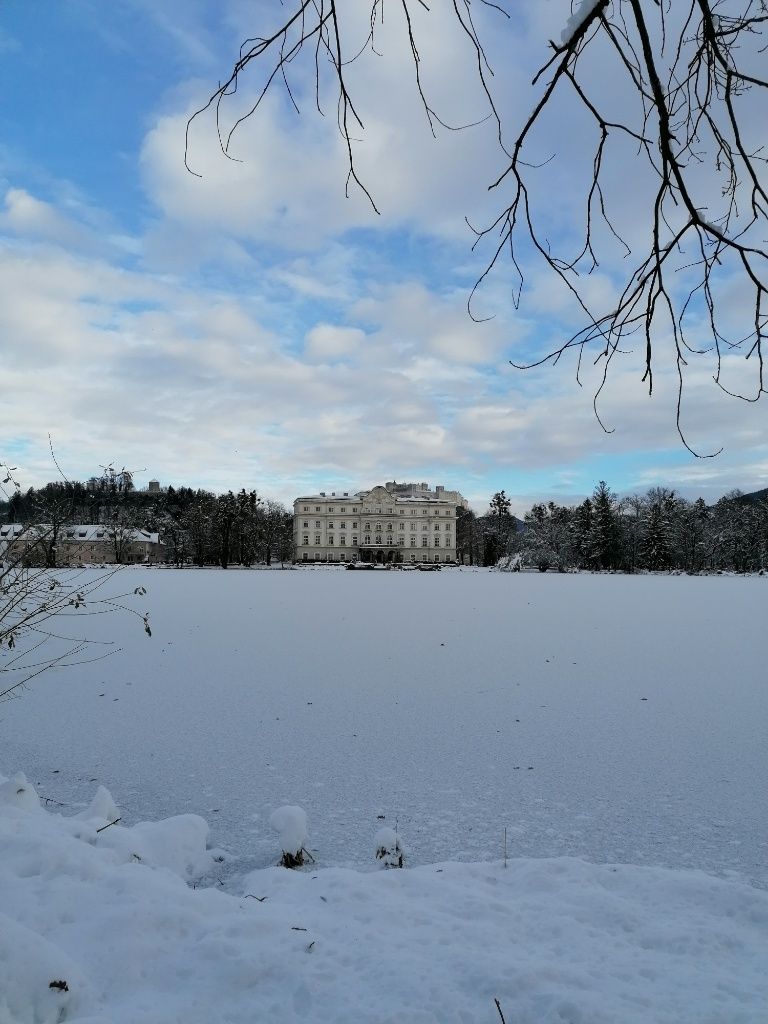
389 850
511 563
290 823
20 793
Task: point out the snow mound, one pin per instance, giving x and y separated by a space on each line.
38 981
102 807
178 843
554 939
19 793
290 823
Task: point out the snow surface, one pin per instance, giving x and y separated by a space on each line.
555 940
619 719
605 718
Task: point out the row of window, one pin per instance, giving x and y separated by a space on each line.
413 511
318 508
343 557
388 543
378 530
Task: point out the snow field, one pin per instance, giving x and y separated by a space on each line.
612 718
606 719
128 942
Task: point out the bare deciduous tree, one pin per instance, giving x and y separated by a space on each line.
38 604
689 80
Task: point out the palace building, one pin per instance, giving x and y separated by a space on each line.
390 523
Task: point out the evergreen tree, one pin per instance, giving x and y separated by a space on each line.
501 524
657 545
581 534
604 534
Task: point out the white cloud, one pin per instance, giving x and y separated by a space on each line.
255 344
286 182
326 342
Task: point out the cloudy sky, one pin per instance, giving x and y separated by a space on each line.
252 326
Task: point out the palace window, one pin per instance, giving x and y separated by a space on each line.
317 538
342 539
305 539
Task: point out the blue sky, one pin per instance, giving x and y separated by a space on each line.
254 327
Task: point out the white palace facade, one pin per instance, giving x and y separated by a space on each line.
390 523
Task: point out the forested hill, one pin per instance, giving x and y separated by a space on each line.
755 496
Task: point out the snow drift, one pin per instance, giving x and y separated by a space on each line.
89 931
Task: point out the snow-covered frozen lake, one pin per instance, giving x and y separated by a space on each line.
619 719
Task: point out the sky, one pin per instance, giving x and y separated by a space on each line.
250 325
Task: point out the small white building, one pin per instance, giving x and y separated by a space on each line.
84 544
390 523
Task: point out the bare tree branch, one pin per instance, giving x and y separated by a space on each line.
692 72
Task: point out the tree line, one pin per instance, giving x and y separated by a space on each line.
656 531
196 525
